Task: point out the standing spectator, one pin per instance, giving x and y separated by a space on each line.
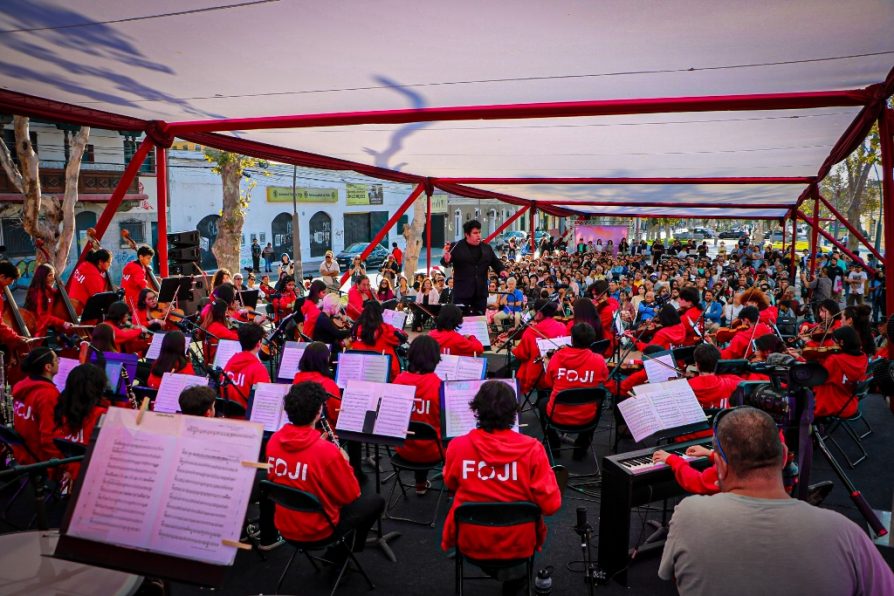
286 266
267 253
878 295
329 270
398 255
255 255
856 281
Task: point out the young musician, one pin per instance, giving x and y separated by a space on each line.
450 341
330 327
197 400
299 457
314 366
134 275
127 337
836 396
829 319
530 371
102 339
171 358
637 377
691 314
89 277
285 303
757 298
495 463
423 358
220 277
741 346
574 367
358 296
8 336
858 318
245 368
147 313
671 334
310 309
606 306
372 334
41 296
34 399
585 312
711 390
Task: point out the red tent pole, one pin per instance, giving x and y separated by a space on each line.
117 197
428 231
387 227
839 246
794 253
784 230
507 223
886 134
531 215
161 181
850 227
663 181
814 241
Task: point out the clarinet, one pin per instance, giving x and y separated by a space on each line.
330 434
6 402
131 396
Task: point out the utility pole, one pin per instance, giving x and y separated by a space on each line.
296 233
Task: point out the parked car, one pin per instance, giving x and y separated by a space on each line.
733 234
502 240
374 261
703 233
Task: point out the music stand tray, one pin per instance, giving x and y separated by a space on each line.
97 306
174 287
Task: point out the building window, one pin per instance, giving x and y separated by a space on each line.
130 149
89 155
17 241
135 229
9 137
262 237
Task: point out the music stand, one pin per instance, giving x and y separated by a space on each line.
98 305
174 288
731 367
249 298
686 354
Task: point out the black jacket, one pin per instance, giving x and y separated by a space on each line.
469 276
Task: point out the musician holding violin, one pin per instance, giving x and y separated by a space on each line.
284 304
668 330
820 334
691 313
530 371
741 333
359 294
836 397
128 336
330 327
135 275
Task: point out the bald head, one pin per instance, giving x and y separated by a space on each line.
750 442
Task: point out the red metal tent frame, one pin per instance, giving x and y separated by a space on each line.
160 135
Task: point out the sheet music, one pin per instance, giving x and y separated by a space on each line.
395 318
173 485
390 404
65 366
661 406
460 368
458 418
476 326
546 345
291 356
172 385
155 347
363 366
226 349
267 405
660 368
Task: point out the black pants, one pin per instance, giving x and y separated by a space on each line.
360 515
581 443
256 263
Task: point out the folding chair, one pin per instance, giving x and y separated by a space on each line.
12 440
421 432
305 502
575 397
495 515
227 408
833 423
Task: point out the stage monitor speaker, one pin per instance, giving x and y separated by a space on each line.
184 255
189 268
184 239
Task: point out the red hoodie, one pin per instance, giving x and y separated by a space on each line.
453 343
693 481
627 385
331 388
689 318
133 280
572 368
244 369
666 337
386 342
311 313
835 397
300 458
34 399
607 317
49 431
769 315
85 281
154 381
499 466
740 345
714 391
427 409
531 373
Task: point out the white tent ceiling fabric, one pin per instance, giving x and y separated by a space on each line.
178 60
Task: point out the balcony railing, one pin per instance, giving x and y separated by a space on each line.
97 182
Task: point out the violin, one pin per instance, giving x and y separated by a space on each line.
726 334
814 353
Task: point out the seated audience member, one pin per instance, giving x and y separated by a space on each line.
197 401
423 358
779 545
34 400
711 390
301 458
449 340
574 367
171 358
495 463
836 396
245 368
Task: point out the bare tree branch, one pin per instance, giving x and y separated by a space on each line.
78 145
12 171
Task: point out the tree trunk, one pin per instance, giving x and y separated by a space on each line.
30 169
227 247
413 234
855 207
77 146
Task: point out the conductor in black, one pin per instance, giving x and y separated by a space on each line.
470 259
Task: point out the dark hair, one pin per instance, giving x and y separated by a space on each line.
317 288
171 356
585 312
449 318
545 307
424 355
219 311
471 225
750 313
83 390
706 357
315 358
94 257
37 359
668 315
103 338
690 294
653 349
597 288
495 406
849 340
225 292
196 400
217 279
144 293
369 322
859 316
117 311
770 343
749 440
249 335
303 402
831 306
145 251
582 335
37 291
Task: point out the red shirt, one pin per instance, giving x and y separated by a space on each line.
427 409
714 391
740 345
300 458
356 298
154 381
85 281
666 337
693 481
216 332
836 397
453 343
499 466
282 306
43 309
398 255
34 399
244 370
49 431
769 315
386 341
573 368
133 281
531 373
311 313
637 378
330 387
607 317
692 317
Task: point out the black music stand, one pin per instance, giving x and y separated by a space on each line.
98 305
174 288
249 298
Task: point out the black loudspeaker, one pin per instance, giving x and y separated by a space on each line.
183 268
184 255
178 239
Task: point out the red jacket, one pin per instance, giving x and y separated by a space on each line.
154 381
828 341
128 340
8 335
133 281
714 391
452 342
835 397
330 387
49 431
692 317
282 306
216 332
572 368
693 481
499 466
244 370
43 312
34 399
666 337
85 281
311 313
386 342
740 345
637 378
426 408
300 458
531 373
356 298
769 315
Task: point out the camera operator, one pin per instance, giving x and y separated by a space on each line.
752 538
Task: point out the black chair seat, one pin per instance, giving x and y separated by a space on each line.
398 461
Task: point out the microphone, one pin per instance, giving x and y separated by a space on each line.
582 524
